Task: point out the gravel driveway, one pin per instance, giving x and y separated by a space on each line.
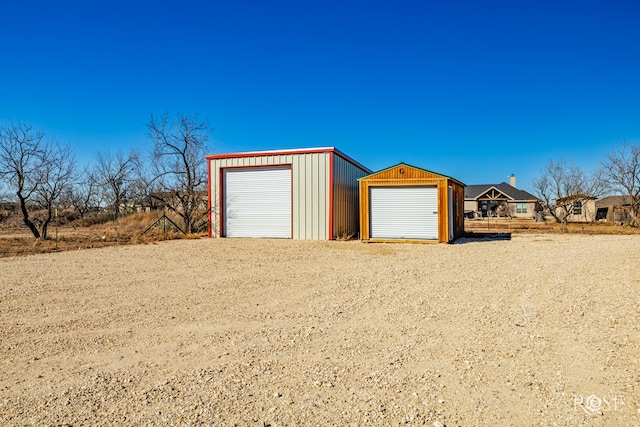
537 330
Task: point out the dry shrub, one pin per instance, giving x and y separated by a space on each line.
111 234
345 235
67 216
140 228
92 219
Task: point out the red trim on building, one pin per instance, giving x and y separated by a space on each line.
330 236
220 202
210 231
270 153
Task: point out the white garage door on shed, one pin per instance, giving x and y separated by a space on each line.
404 212
257 201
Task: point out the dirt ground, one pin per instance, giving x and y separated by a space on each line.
539 330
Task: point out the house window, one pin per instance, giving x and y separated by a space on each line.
521 208
577 208
601 213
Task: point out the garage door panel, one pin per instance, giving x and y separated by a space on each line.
257 202
404 212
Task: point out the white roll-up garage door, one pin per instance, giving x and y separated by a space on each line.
404 212
257 202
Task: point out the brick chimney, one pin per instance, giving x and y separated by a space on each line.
512 180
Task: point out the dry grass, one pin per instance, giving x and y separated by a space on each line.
127 230
17 241
517 225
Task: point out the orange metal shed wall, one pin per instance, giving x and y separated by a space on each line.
412 176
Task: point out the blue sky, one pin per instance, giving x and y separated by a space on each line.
473 89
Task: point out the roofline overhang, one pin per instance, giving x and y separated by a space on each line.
415 167
489 188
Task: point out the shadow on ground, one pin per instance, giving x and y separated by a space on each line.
470 237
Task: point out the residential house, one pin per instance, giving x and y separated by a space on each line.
577 208
499 200
614 210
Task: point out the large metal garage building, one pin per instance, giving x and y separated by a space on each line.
307 194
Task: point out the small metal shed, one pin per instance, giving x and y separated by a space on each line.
406 203
309 194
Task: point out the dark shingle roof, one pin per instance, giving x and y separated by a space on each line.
614 201
473 191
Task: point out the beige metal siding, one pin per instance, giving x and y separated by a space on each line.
345 197
310 200
310 192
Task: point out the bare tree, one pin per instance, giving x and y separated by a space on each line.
83 195
115 175
562 188
505 209
621 171
55 176
180 146
36 171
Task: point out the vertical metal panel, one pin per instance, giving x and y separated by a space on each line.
323 214
459 210
308 195
443 217
215 197
345 197
450 211
310 208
